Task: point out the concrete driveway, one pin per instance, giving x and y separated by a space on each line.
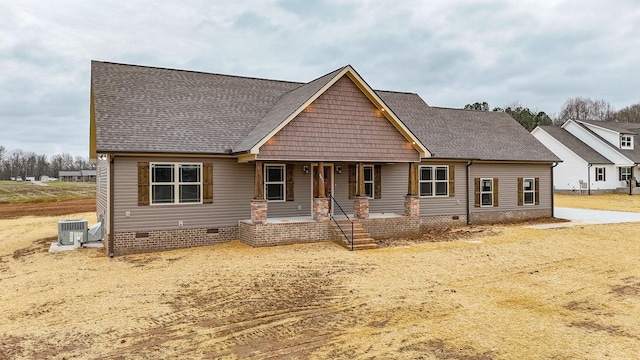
585 217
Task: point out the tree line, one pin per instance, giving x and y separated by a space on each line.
26 163
577 108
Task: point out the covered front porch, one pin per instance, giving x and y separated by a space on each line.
369 195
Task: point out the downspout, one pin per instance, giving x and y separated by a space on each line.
111 227
469 163
589 179
552 191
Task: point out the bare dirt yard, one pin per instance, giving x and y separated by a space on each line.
492 292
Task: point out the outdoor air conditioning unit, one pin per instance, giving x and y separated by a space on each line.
72 232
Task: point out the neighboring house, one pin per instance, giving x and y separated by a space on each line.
188 158
77 175
597 156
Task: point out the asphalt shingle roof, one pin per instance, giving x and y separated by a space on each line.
623 128
576 145
146 109
466 134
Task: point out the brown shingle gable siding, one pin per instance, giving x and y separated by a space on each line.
283 109
342 124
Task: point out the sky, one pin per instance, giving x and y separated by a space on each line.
534 53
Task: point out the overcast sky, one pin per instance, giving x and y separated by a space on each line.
537 53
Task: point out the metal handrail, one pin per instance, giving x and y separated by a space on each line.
349 241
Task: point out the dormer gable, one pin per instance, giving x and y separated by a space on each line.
615 135
626 141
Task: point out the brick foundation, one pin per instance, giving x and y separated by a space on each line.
508 216
321 209
381 228
435 221
259 211
361 207
162 240
272 234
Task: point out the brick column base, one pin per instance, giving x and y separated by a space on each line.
412 206
258 211
321 209
361 207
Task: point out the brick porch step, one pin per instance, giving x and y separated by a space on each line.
361 238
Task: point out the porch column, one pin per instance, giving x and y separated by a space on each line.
412 200
321 209
360 186
321 202
258 204
321 190
412 187
360 201
412 206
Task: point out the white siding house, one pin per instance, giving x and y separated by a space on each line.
596 156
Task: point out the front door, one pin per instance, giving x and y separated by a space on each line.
327 181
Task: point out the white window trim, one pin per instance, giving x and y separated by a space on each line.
175 183
604 174
626 142
433 180
628 175
372 181
532 191
283 182
486 192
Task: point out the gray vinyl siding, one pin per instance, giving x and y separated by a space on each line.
394 188
232 194
448 205
395 183
508 175
102 189
301 195
341 190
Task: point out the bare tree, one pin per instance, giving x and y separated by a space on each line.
579 108
630 113
21 163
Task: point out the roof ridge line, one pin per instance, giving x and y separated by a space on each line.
198 72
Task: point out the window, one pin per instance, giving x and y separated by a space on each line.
626 142
372 179
176 183
274 180
625 173
486 192
600 174
368 181
434 181
529 191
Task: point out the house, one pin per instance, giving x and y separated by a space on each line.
188 158
78 175
598 156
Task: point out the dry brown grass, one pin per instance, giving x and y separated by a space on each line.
617 202
506 292
12 192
